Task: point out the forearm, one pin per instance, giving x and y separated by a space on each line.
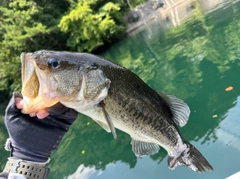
33 140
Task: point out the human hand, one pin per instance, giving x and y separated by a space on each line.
33 139
40 114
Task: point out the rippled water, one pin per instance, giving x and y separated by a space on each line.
193 54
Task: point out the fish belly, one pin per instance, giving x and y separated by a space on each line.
136 130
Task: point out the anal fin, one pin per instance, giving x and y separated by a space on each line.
142 148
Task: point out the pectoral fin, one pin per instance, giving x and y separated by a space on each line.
108 120
103 125
180 109
108 126
99 114
142 148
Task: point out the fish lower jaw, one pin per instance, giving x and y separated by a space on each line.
36 104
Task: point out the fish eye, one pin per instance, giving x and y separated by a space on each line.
54 63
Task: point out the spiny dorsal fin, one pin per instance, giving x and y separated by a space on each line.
180 109
141 148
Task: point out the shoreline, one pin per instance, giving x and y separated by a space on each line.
170 12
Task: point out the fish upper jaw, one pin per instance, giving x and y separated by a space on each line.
32 101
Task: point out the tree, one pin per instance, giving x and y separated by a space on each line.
26 25
89 26
17 33
30 25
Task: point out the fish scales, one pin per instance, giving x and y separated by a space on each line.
112 96
140 102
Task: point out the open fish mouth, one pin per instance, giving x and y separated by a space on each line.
32 101
113 97
30 83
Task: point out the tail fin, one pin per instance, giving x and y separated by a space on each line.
190 158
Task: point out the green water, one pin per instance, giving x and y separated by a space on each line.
195 61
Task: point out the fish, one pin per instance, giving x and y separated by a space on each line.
115 98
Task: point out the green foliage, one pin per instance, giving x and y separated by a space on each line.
30 25
26 25
135 3
18 32
89 28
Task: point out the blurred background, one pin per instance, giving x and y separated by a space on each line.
190 49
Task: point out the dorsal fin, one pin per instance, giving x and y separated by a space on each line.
180 109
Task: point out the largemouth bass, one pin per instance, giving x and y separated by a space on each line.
112 96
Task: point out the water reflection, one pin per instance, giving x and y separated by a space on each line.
196 61
175 12
228 132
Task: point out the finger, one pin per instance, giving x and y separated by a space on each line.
33 114
19 103
42 113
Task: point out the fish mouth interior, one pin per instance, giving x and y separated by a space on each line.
30 83
32 100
